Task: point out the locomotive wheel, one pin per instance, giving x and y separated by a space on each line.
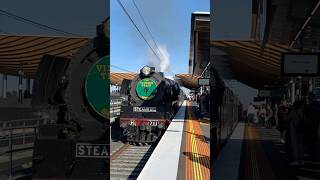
137 135
143 136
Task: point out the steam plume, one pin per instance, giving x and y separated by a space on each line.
164 62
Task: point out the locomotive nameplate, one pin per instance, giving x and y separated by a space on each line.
144 109
97 87
91 150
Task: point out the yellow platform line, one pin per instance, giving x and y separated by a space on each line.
197 151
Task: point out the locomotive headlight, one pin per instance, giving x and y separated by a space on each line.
146 70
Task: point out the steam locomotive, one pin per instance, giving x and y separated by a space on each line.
71 92
152 102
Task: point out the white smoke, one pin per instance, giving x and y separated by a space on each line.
163 64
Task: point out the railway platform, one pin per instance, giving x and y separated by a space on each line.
254 152
184 150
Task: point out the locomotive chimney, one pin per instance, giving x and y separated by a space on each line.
162 74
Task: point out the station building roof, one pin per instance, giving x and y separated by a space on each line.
199 54
24 53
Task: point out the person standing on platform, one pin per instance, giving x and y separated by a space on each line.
312 112
275 115
251 113
297 124
282 120
269 116
262 114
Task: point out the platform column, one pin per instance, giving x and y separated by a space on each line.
293 91
4 86
28 84
20 73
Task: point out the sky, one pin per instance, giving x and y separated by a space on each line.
75 16
169 22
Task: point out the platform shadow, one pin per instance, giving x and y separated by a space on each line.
277 154
201 159
201 137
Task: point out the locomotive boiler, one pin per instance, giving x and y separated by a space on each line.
152 102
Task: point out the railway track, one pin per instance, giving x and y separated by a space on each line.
128 161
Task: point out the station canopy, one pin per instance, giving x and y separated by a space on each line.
252 64
189 81
116 78
256 61
25 52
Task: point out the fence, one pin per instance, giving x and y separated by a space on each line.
18 135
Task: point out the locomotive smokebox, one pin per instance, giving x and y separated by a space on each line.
152 103
75 144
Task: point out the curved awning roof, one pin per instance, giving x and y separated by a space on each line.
253 62
189 80
117 78
25 52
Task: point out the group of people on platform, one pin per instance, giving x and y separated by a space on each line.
298 123
264 114
203 101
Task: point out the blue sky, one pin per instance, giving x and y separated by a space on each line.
169 22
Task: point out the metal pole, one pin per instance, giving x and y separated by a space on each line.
35 135
293 91
10 149
4 86
20 88
300 88
28 82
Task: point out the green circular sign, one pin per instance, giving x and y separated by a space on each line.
146 88
97 87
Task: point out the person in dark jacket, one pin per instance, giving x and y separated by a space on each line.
312 112
282 120
297 120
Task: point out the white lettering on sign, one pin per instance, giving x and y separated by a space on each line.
144 109
104 151
81 150
91 150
